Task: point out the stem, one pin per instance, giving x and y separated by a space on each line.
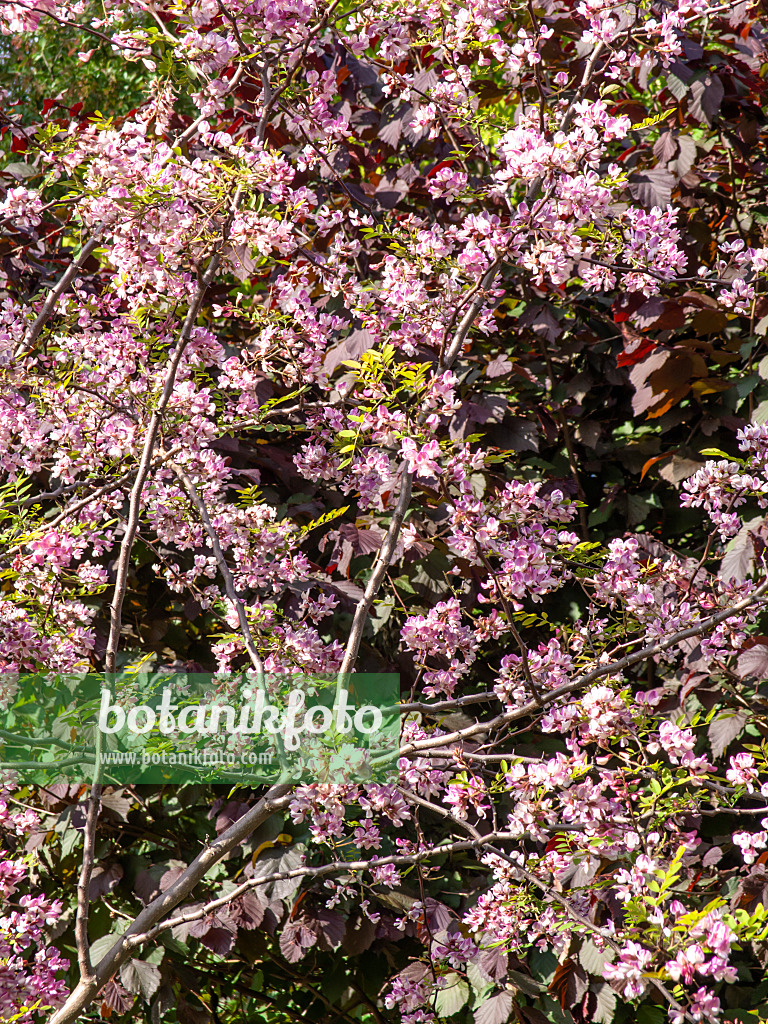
380 567
276 798
145 463
229 582
46 311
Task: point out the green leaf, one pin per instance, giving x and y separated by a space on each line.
716 453
403 583
592 959
542 964
327 517
102 946
525 984
745 385
452 997
481 986
606 1004
650 1015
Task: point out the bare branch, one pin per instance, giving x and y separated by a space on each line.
460 335
319 871
46 311
84 882
380 567
697 629
275 799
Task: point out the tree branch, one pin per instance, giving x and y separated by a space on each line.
46 311
588 677
380 567
276 798
84 882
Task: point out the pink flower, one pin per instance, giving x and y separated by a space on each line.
742 771
685 964
629 970
421 461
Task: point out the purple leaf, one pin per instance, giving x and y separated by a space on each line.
218 940
363 542
498 367
739 555
295 940
439 916
644 396
686 157
176 869
394 117
183 931
140 977
364 74
706 95
329 927
146 886
652 187
116 998
248 911
229 814
496 1010
723 730
353 346
117 803
359 935
103 880
753 662
493 962
390 191
542 321
665 148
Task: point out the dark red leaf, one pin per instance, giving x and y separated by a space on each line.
569 983
705 97
116 998
248 910
652 187
103 880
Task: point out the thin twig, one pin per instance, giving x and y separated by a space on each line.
229 582
145 463
380 567
534 690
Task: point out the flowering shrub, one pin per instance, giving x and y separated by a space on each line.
411 337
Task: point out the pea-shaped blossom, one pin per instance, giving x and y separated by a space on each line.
742 771
750 843
423 462
630 969
720 488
